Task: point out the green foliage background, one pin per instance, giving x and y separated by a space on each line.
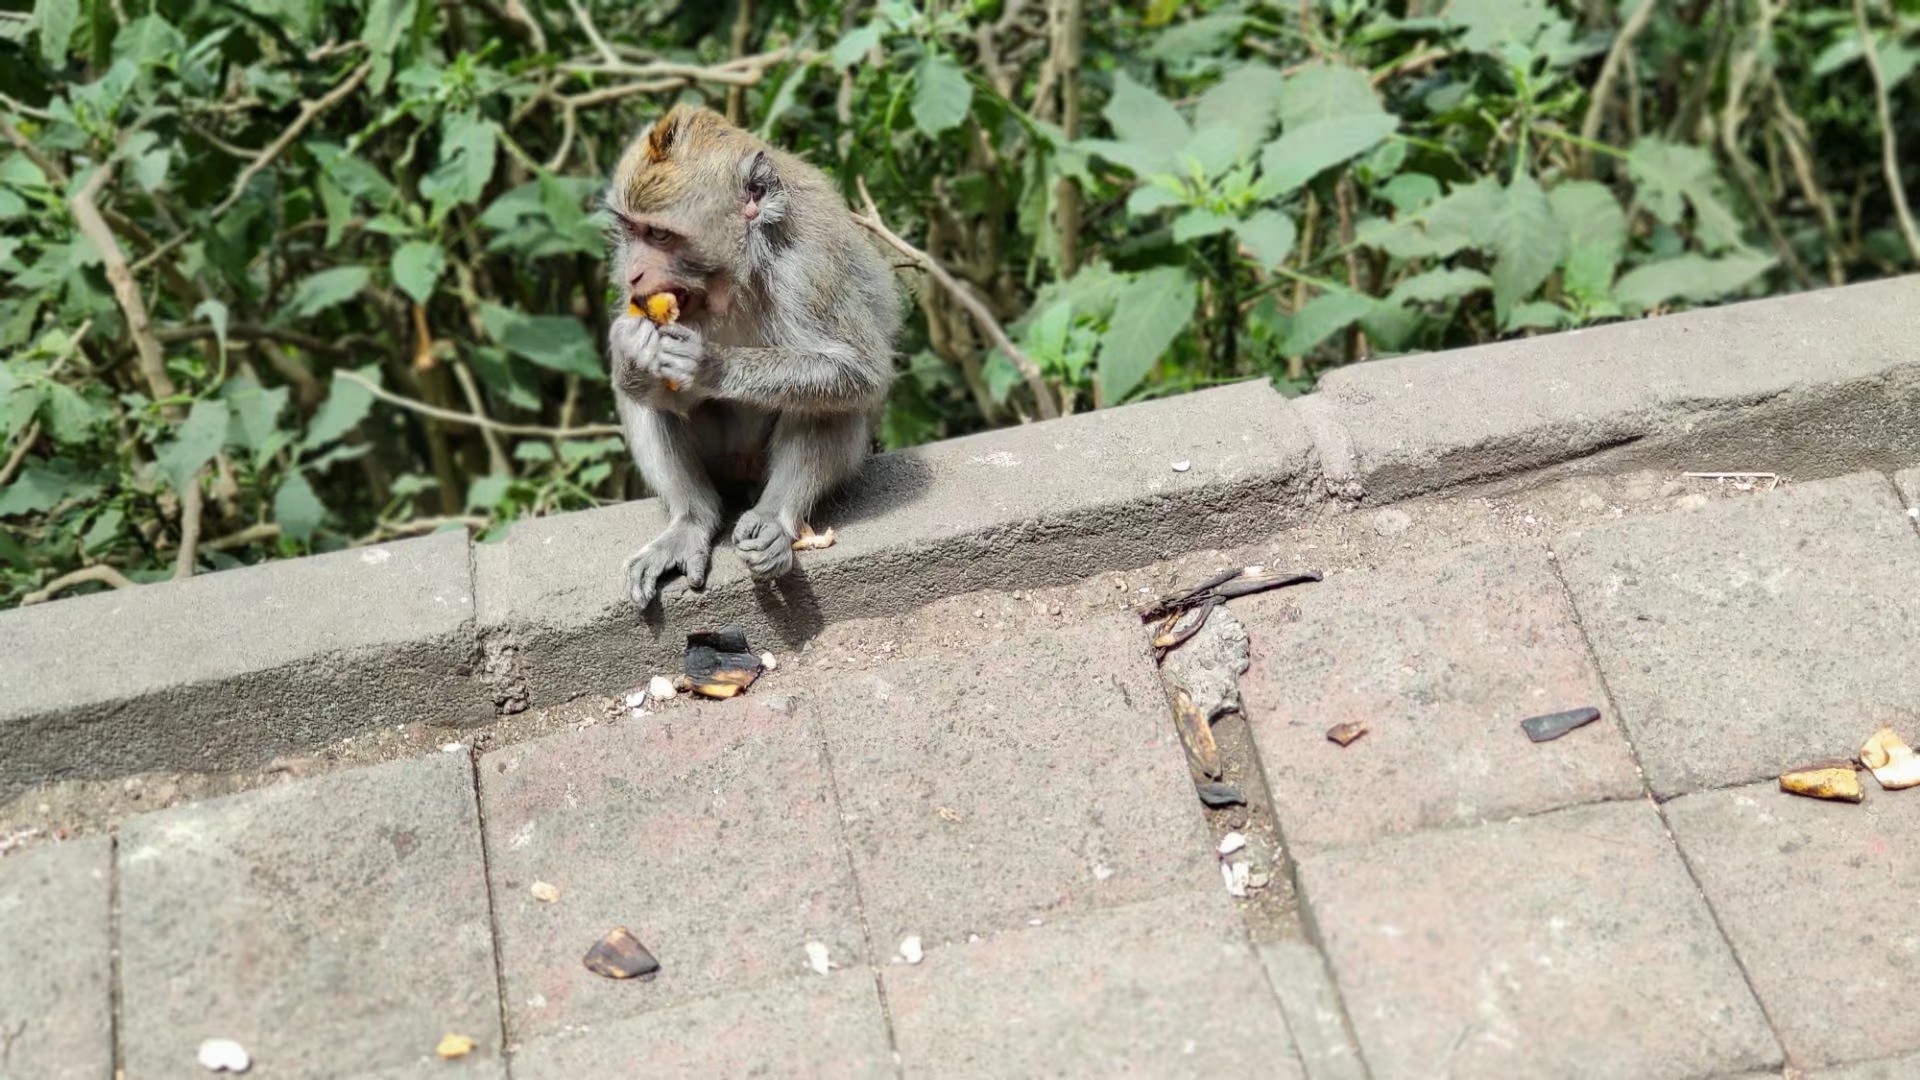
265 263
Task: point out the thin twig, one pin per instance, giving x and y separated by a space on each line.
1889 149
417 526
584 431
497 460
1610 70
593 32
250 535
86 214
96 572
191 504
19 454
983 318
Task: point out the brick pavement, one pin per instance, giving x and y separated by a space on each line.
1477 905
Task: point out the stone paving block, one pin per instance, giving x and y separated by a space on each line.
1901 1068
1037 504
1442 659
1165 988
1819 900
1033 779
1568 944
808 1026
1314 1014
225 669
1812 384
56 968
334 927
1750 636
711 833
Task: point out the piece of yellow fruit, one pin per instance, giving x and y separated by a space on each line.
1891 760
454 1046
663 308
1824 780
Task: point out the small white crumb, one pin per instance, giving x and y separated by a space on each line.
659 688
224 1055
637 699
452 748
910 950
1231 843
544 892
1182 466
1914 512
1236 876
817 958
769 661
1036 921
537 1001
1101 871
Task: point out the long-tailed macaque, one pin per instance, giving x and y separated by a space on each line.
782 352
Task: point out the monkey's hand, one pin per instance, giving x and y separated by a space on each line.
683 547
668 354
763 545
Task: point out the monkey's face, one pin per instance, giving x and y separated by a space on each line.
687 199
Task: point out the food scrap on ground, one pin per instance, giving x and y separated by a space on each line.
910 950
817 957
619 955
1344 734
454 1046
808 540
1196 736
1835 780
720 663
1232 842
544 892
224 1055
1892 762
1553 725
1226 585
660 688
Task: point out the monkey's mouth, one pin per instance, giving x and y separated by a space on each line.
685 302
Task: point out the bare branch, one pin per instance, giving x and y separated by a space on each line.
252 534
983 318
593 32
86 214
584 431
19 454
1610 70
191 504
1889 149
96 572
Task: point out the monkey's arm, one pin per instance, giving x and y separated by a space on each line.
832 379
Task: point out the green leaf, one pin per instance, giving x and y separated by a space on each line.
1195 224
854 46
326 289
256 412
417 266
1204 36
1665 173
529 450
1409 192
347 404
941 94
487 492
1329 114
1046 336
215 312
1149 313
1245 102
1491 24
298 510
1269 235
148 159
70 418
513 380
198 438
1596 232
1147 125
1001 376
1689 277
384 31
1439 286
1322 317
40 488
149 39
1538 315
468 149
552 341
1526 242
55 20
1149 199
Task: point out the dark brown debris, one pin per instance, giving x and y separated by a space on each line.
1553 725
720 663
1344 734
619 955
1176 629
1196 735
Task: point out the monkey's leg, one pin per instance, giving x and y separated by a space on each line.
667 453
808 456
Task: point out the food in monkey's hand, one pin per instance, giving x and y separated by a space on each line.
808 540
663 309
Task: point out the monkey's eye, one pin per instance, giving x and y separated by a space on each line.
657 235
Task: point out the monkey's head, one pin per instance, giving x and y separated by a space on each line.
697 205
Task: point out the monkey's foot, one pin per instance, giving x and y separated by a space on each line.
764 546
683 548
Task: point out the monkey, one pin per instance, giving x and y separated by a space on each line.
782 356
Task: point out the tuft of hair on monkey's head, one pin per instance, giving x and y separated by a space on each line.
704 177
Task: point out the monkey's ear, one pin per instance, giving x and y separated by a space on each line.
664 133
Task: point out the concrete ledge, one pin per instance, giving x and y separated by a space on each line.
226 669
1814 384
233 667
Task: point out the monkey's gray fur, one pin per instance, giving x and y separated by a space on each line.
782 358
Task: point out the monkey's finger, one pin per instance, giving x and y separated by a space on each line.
696 568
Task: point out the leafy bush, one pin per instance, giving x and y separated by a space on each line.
292 276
